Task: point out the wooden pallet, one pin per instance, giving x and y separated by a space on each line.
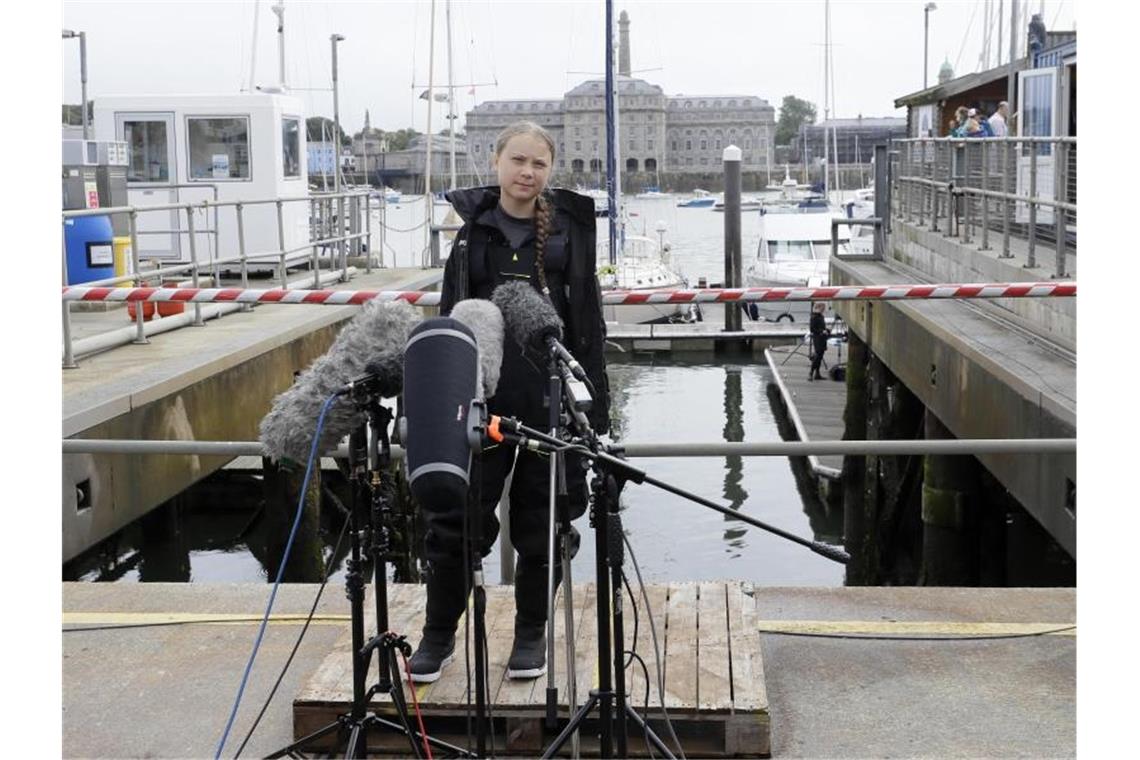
710 653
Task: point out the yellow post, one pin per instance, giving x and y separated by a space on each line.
122 248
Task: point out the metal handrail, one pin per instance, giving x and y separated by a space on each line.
966 181
193 268
958 446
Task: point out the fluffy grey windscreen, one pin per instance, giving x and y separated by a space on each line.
486 321
379 329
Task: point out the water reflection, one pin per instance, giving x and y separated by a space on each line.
734 492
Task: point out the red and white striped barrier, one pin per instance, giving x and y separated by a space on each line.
705 295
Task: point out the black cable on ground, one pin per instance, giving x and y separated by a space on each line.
633 602
656 646
645 670
300 637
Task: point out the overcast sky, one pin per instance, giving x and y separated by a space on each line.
530 49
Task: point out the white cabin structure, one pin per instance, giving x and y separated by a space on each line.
247 146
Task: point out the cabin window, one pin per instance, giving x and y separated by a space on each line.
291 148
149 157
219 148
789 250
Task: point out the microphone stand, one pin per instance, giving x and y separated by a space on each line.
370 531
473 515
610 475
559 523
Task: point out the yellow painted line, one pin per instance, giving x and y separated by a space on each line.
916 628
153 618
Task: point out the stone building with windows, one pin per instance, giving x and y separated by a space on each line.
657 133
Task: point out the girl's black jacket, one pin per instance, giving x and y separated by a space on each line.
585 332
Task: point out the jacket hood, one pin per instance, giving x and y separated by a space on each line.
471 201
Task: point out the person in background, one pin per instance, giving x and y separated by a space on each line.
817 326
997 121
958 128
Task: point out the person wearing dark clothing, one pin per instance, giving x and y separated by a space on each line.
517 231
817 326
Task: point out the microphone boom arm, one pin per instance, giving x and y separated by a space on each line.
542 442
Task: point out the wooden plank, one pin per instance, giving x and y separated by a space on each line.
332 681
714 678
586 644
681 653
658 599
450 691
748 691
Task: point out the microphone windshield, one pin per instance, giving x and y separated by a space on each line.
530 318
486 321
378 330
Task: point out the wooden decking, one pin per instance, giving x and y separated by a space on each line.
710 651
814 407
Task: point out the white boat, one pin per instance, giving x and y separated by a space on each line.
701 199
862 207
642 266
747 203
794 251
389 195
652 193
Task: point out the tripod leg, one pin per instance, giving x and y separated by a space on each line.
654 739
616 561
571 727
571 668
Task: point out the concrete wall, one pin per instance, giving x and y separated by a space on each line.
975 394
225 406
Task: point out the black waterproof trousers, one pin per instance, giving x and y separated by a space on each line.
448 578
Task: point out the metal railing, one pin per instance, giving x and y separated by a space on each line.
992 191
327 232
637 450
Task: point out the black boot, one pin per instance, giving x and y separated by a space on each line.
528 653
446 599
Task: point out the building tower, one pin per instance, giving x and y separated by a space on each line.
623 44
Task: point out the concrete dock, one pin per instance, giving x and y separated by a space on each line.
849 672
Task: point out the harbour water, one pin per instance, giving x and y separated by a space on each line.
673 398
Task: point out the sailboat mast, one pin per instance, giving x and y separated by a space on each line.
611 137
253 47
428 200
279 11
450 100
827 103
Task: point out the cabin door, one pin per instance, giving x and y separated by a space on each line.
152 178
1037 116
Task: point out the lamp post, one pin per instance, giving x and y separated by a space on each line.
926 41
67 35
335 38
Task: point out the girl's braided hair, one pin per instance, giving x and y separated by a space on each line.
543 210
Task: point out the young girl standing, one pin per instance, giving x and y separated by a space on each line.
517 231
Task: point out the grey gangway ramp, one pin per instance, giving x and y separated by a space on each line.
710 654
814 407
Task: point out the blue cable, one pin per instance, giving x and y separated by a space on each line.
280 572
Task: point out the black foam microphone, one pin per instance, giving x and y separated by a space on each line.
441 380
534 324
373 338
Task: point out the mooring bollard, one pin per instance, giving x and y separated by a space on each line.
732 268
